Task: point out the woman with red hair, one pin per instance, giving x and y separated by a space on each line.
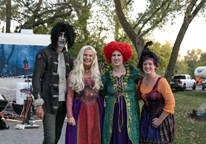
122 117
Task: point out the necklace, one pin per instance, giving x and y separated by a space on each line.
87 69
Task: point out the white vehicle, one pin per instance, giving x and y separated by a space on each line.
17 56
182 81
201 72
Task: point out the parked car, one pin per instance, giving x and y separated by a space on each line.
182 81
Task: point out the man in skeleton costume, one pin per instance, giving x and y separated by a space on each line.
52 66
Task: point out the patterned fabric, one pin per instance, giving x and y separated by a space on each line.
165 90
88 95
87 108
120 135
88 128
153 108
164 134
154 100
129 81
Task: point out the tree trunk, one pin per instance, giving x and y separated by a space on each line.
8 16
175 50
190 13
137 40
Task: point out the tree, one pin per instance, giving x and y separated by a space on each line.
154 16
193 60
202 61
6 12
39 15
8 16
181 66
163 51
192 9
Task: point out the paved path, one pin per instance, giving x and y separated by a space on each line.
198 89
26 136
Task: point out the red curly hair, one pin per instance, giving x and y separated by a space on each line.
123 48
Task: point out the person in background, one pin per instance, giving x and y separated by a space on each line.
52 66
6 72
84 106
157 117
122 116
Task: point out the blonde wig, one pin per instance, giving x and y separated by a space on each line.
76 76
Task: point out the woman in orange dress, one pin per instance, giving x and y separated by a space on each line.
157 117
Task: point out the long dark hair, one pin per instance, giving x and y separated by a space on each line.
69 33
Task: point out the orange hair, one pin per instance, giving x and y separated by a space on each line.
123 48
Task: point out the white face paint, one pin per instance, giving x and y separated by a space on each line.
61 41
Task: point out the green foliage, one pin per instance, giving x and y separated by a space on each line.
193 60
155 15
88 29
3 11
181 67
97 27
164 52
202 61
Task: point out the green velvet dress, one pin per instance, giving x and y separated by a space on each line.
128 83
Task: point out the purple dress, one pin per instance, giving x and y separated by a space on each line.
120 135
87 108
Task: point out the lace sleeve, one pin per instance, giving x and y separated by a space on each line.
70 97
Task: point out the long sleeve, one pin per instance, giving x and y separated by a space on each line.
137 75
138 93
70 97
39 69
103 92
165 90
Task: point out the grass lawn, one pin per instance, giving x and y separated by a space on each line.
188 131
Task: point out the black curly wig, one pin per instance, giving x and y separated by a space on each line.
148 54
69 33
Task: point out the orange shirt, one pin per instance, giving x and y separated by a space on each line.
164 88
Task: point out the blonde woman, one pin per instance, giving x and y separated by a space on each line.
84 106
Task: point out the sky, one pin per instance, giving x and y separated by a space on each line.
194 37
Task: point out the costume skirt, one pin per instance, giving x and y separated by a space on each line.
89 119
119 132
163 134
